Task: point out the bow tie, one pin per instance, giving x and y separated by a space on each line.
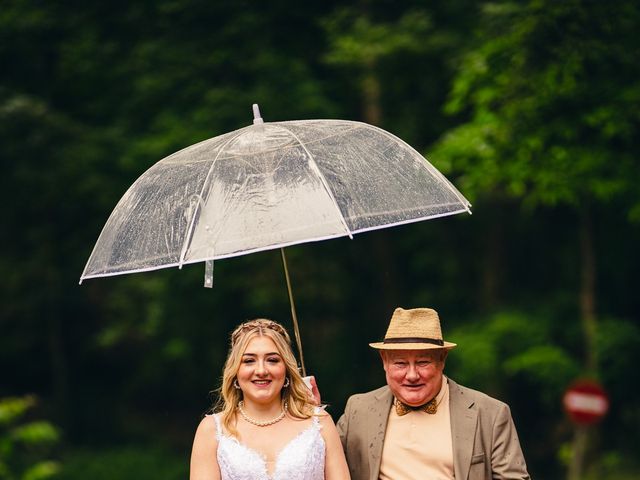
430 407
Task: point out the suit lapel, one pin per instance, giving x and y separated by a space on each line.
378 413
463 428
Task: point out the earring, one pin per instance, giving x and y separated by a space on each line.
236 385
286 383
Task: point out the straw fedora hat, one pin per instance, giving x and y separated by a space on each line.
414 329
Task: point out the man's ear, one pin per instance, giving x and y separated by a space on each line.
444 356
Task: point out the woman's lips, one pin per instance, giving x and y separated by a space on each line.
261 383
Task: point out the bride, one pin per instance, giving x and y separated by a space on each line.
266 427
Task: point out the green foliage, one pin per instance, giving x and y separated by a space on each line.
124 463
36 432
13 408
356 41
509 345
41 471
613 466
547 366
618 354
24 444
547 95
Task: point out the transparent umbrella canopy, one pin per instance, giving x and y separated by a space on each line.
267 186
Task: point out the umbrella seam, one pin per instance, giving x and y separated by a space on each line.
323 180
189 234
433 170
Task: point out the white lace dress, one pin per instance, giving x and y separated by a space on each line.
300 459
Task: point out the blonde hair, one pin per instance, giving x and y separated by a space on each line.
296 395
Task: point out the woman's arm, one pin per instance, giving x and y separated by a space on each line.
204 461
335 464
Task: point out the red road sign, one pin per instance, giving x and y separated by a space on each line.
585 402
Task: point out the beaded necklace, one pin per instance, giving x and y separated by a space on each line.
258 423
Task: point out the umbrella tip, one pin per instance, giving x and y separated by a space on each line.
257 119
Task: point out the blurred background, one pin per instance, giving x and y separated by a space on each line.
531 108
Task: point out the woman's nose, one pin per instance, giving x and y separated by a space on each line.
261 368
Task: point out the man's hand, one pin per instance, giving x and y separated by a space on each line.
314 392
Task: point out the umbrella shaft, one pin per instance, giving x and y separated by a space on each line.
296 330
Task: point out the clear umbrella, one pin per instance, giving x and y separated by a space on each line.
267 186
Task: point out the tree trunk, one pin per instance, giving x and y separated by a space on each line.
59 370
579 449
384 263
493 262
584 434
588 292
371 110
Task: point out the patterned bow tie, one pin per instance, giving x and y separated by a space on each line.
430 407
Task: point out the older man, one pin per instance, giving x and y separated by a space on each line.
423 425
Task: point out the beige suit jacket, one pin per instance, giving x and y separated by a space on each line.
485 442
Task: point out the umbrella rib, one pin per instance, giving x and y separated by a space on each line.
325 184
353 125
187 239
433 170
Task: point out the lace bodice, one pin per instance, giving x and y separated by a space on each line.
300 459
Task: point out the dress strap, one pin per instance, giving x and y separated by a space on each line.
317 411
216 417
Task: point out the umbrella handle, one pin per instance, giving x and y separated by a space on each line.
296 330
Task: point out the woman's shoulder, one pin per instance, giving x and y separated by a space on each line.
206 433
323 418
209 423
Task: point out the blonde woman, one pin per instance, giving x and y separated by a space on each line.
266 426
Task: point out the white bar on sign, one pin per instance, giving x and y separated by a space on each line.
585 402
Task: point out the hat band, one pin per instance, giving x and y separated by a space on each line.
435 341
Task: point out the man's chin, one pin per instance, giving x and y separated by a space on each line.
414 399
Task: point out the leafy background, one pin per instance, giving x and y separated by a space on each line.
529 107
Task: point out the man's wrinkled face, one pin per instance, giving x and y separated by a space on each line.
414 376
